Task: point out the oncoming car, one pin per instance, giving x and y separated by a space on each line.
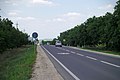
58 43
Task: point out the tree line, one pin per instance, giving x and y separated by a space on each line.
96 31
11 37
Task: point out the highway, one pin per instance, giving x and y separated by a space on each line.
84 65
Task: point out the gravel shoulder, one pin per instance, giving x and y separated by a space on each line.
43 68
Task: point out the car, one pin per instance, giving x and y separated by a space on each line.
48 43
58 44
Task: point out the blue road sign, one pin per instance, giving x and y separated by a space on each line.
34 35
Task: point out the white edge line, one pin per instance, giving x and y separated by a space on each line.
109 63
91 58
74 76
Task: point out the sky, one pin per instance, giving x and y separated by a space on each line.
49 18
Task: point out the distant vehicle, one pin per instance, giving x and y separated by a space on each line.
48 43
58 43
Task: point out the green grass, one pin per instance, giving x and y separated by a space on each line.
99 49
17 64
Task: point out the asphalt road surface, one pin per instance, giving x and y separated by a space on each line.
83 65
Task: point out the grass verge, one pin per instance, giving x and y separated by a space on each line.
102 50
17 64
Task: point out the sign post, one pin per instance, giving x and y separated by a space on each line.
34 35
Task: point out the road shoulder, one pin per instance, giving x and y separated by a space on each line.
44 68
102 53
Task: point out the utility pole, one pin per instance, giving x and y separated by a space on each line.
0 15
17 25
24 30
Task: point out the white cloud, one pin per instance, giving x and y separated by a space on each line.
45 2
25 18
30 18
17 11
12 14
7 1
75 14
106 7
11 2
14 4
70 16
67 17
58 19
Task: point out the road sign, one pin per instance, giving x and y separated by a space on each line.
34 35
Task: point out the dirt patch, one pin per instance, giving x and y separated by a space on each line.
43 68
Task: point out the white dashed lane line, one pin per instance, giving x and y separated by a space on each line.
80 54
91 58
67 50
72 52
110 64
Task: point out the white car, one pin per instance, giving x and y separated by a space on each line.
58 44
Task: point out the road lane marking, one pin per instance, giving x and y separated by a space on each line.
63 53
95 59
59 48
72 52
73 75
110 64
63 49
91 58
80 54
67 50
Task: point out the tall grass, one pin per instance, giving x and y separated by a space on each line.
17 64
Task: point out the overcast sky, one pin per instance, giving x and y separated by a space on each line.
51 17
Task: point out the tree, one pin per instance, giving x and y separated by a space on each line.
116 35
11 37
95 31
